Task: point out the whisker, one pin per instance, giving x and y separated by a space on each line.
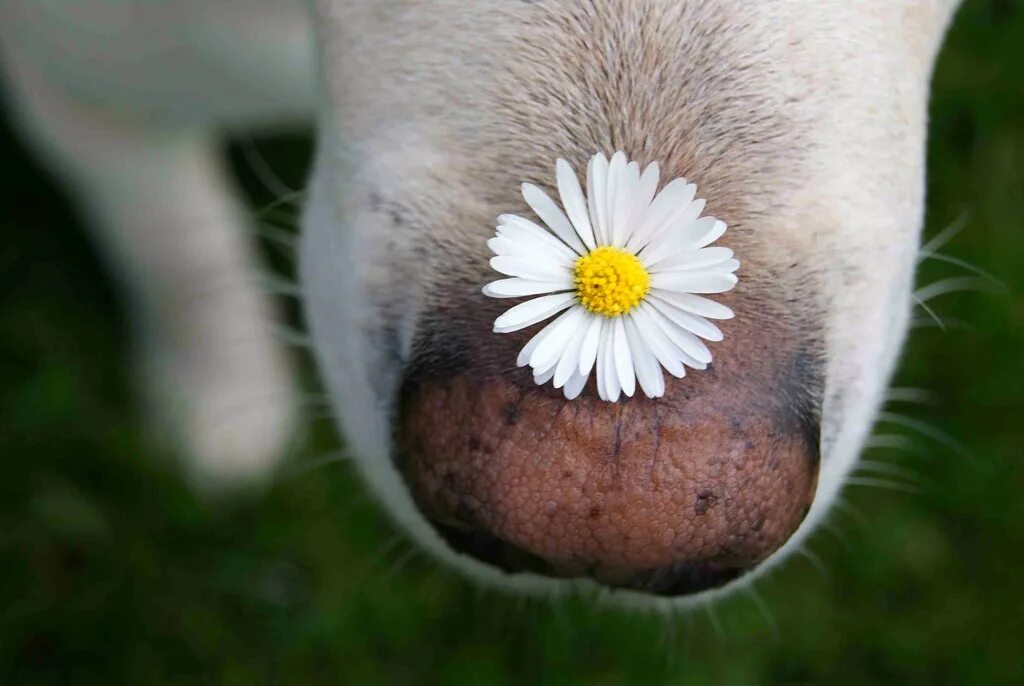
832 528
669 639
892 441
937 435
870 482
815 561
276 285
716 623
278 237
261 168
877 467
404 559
379 556
762 607
283 200
292 337
257 403
944 236
946 324
963 264
852 512
953 284
897 394
310 465
929 310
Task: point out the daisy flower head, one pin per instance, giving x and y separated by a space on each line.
624 267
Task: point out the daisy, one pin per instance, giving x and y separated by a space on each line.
625 269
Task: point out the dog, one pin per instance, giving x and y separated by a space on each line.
803 122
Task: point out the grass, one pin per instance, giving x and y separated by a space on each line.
112 571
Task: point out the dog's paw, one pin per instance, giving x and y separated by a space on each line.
220 391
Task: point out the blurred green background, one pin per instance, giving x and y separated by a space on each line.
113 572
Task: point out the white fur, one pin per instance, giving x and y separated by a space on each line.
124 98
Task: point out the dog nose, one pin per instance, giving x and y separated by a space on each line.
668 496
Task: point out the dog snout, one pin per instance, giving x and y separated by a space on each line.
668 496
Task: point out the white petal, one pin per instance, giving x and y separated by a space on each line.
694 282
616 170
531 249
623 359
648 372
534 270
727 267
570 359
693 259
691 233
553 216
691 322
625 203
521 229
541 378
664 350
574 203
597 184
589 347
671 203
533 311
695 304
712 235
524 354
644 195
517 288
551 347
687 343
606 373
602 375
575 385
678 234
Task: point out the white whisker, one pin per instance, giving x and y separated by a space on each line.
953 284
870 482
401 562
286 199
892 441
898 394
716 623
929 310
762 607
309 465
944 236
292 337
925 429
278 237
276 285
939 257
815 561
261 168
877 467
832 528
933 322
859 520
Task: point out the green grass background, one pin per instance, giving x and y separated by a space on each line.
113 572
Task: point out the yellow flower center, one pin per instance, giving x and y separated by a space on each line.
611 281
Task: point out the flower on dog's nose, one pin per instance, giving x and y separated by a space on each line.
627 265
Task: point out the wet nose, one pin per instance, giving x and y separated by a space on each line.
669 496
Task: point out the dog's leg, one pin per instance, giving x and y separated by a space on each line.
173 229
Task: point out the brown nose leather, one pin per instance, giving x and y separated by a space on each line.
669 496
